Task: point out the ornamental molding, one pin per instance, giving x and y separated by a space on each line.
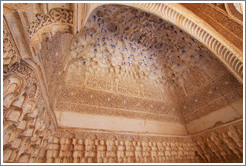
227 55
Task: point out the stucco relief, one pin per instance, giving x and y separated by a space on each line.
141 50
218 145
180 64
26 123
223 144
10 52
108 148
224 51
124 63
103 103
216 95
55 16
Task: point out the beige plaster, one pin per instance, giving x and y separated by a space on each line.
223 115
113 123
238 106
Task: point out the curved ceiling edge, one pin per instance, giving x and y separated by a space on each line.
226 52
175 13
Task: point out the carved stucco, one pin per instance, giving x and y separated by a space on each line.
107 93
229 52
180 67
178 14
10 52
55 16
26 122
223 144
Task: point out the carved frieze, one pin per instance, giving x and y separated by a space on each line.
118 148
218 94
98 102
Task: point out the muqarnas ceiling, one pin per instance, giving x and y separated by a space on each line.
142 51
129 54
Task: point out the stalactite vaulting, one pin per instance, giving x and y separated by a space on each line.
125 83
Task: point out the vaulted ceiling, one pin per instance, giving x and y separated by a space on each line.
129 63
142 77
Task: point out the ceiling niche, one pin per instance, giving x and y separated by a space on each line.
129 87
128 63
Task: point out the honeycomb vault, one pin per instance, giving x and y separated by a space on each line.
128 87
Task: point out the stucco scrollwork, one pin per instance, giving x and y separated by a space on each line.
10 53
55 16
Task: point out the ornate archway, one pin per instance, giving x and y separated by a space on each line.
69 86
